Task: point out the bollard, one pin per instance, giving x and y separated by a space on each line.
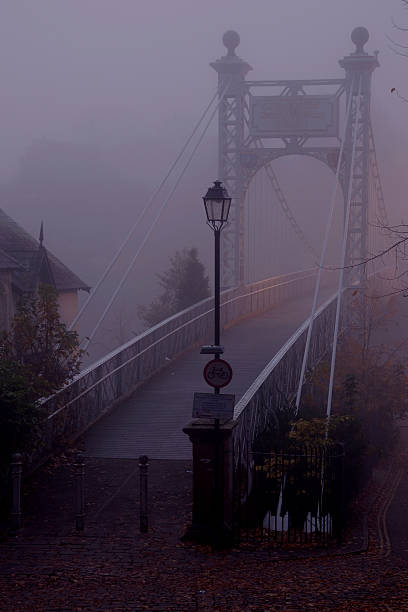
143 465
80 491
16 472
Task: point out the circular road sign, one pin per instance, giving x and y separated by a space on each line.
217 373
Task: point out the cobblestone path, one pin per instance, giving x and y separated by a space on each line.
113 567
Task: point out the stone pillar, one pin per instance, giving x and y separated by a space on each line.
212 520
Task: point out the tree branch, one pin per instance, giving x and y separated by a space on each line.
395 43
366 261
398 52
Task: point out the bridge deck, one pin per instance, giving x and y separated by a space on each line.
151 421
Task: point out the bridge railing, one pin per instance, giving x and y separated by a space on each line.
101 386
279 379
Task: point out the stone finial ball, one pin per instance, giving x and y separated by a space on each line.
231 40
360 36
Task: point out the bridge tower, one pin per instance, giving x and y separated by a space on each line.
359 67
296 120
232 92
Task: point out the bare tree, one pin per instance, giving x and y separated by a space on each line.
398 48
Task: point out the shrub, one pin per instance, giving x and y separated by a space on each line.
37 357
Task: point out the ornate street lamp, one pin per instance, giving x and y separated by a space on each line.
217 205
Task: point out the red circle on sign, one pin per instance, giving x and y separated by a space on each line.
217 373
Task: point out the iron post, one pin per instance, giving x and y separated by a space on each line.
80 491
143 518
217 493
217 203
16 473
217 266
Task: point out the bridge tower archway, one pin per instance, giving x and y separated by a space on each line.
289 241
294 117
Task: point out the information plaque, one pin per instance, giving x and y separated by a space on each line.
294 116
213 406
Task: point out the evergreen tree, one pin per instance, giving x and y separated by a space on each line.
184 284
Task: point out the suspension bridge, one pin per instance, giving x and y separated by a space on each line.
277 322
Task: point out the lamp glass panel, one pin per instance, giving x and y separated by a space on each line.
214 209
227 204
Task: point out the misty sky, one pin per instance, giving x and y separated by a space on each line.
127 79
120 70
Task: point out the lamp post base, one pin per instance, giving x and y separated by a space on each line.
212 519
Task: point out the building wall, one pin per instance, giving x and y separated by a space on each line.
68 305
67 302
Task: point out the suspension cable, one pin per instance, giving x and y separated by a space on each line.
153 224
343 259
323 251
340 286
141 215
273 179
255 215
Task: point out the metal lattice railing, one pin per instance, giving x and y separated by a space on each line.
296 495
279 379
104 384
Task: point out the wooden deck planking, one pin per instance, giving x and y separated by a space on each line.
151 421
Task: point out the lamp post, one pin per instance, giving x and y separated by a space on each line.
217 206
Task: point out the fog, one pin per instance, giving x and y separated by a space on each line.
99 96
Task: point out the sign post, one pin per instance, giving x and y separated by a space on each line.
217 373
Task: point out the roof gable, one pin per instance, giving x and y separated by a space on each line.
7 262
34 260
